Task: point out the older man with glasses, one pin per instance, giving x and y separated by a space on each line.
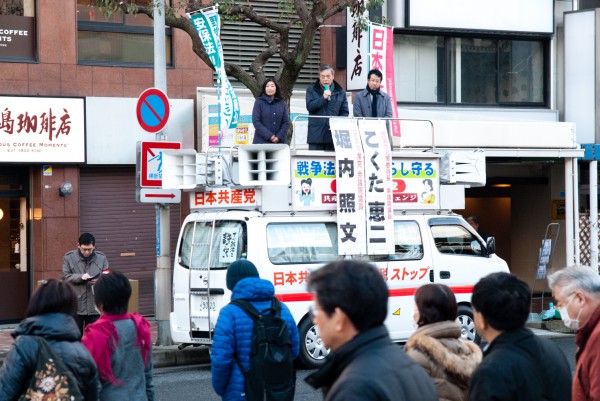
81 267
577 293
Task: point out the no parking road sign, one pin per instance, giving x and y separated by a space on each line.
153 110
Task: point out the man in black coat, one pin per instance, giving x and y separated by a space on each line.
517 365
350 306
324 98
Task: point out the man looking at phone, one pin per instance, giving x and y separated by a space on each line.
81 267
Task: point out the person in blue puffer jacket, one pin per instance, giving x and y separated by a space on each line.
233 332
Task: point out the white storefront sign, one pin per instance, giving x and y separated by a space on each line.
42 130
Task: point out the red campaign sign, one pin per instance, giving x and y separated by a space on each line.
152 110
151 162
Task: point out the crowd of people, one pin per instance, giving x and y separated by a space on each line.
436 363
113 358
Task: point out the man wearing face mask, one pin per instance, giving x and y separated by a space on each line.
577 293
517 365
81 267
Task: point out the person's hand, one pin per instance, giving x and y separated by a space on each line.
326 94
86 276
274 139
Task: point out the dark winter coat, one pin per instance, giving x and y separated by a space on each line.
62 333
233 336
337 105
364 100
449 360
520 366
74 266
371 367
270 117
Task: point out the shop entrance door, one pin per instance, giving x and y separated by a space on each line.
14 276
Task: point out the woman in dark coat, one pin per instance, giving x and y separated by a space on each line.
50 315
436 345
270 116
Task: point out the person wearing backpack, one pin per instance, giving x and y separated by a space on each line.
120 342
50 319
237 344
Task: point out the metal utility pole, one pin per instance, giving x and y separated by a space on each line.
163 244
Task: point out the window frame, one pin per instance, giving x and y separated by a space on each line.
445 70
312 257
121 27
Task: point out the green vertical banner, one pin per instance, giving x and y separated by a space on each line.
208 26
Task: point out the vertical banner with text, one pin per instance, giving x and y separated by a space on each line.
378 186
350 184
208 25
381 57
357 64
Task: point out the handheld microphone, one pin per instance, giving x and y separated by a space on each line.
327 88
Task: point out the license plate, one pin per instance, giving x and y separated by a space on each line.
205 303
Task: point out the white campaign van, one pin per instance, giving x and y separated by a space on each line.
290 213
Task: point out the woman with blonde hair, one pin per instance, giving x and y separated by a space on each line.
437 346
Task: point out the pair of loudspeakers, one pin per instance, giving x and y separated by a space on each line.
264 164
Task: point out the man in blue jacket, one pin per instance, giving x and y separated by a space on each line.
233 332
324 98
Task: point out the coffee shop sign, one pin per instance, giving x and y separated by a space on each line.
42 129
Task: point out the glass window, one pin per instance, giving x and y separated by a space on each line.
470 71
302 243
419 62
116 39
473 70
455 240
520 66
18 39
224 244
408 244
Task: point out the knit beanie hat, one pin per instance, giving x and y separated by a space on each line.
238 270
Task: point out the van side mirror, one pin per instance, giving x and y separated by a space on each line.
490 244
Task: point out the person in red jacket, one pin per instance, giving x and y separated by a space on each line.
577 294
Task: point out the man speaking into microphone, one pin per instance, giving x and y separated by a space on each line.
325 98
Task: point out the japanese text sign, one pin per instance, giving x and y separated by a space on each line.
349 161
42 129
225 197
381 57
378 188
357 64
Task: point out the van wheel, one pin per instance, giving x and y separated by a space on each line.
312 350
467 325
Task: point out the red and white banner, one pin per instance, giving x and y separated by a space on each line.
381 57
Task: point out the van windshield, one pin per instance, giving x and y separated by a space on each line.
227 245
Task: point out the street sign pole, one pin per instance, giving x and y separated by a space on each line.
163 244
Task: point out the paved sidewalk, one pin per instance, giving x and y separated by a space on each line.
162 356
166 356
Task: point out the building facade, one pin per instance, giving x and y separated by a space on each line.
488 78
